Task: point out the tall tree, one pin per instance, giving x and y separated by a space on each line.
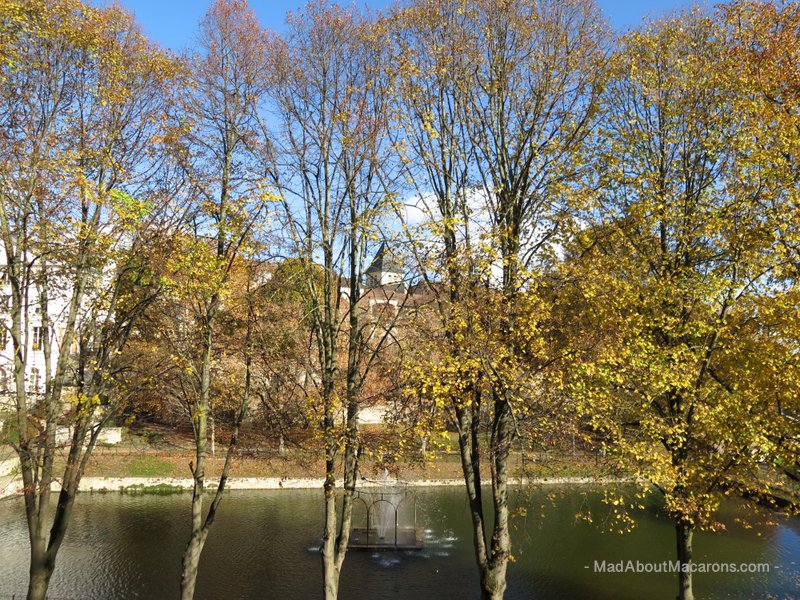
218 133
330 164
764 39
679 278
83 98
497 99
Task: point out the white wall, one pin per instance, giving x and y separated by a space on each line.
35 361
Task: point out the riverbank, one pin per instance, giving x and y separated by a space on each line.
160 485
129 468
98 484
139 468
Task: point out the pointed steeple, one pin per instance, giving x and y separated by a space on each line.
384 270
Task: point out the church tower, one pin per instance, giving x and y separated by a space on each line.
385 271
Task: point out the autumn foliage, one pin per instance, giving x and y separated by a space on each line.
605 249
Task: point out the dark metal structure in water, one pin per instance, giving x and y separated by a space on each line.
383 529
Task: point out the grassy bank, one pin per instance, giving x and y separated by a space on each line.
135 461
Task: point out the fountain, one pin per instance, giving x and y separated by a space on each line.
384 529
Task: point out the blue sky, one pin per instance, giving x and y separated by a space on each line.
173 23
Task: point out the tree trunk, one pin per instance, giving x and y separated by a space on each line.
40 571
331 578
684 535
191 556
38 583
330 573
493 582
336 532
190 564
200 527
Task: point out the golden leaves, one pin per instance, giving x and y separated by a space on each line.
683 277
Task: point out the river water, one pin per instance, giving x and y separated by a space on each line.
264 545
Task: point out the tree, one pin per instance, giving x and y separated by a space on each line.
218 134
330 162
677 269
763 39
497 99
84 97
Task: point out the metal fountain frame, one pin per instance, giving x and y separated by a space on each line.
378 497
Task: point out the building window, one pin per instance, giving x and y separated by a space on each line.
39 335
35 380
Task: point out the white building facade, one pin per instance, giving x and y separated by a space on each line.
36 329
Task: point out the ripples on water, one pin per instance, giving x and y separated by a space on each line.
266 545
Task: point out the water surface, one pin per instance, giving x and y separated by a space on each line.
264 545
